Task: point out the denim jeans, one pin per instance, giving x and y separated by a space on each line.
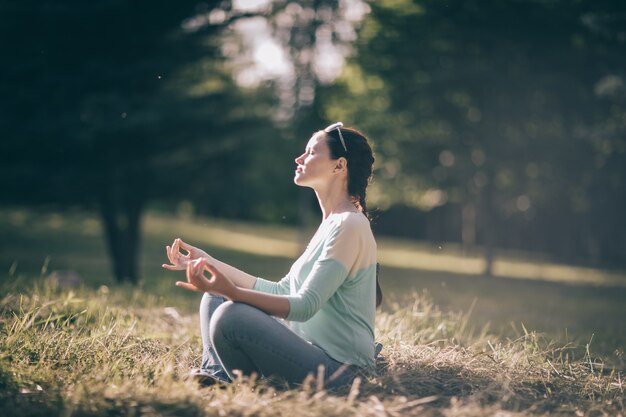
239 336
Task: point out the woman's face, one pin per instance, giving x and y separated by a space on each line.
314 166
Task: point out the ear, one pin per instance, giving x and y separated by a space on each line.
341 164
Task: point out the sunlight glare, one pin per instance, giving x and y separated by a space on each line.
250 5
270 58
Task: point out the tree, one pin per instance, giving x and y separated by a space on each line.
111 104
115 104
497 108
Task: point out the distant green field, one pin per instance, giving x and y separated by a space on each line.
566 303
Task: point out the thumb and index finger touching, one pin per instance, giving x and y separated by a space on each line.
210 267
174 248
179 243
183 245
207 266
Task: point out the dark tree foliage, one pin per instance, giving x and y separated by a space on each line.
99 110
515 109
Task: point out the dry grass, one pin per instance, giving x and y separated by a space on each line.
106 352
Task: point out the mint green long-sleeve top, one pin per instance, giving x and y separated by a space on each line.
331 290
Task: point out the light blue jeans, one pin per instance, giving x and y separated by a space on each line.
239 336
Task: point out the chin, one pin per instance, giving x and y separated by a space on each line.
299 181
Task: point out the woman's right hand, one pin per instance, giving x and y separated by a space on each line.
180 260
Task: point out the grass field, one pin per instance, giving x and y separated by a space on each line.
81 345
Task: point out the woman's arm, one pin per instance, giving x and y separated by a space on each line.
274 305
240 278
180 260
218 283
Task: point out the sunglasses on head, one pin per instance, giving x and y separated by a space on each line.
337 126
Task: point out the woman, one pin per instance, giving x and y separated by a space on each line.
328 297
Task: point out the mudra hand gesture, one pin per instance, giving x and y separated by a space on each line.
197 281
180 260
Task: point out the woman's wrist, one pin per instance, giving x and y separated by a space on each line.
235 294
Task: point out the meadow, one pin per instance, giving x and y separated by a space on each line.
539 338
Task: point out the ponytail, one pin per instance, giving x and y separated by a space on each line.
379 291
352 145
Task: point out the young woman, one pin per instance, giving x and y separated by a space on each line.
328 298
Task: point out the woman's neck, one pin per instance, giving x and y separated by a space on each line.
334 200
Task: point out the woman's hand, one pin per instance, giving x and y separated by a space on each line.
180 260
197 281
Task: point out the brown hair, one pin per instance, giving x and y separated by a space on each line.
360 157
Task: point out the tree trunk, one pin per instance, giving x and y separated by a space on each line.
488 227
121 217
488 253
468 226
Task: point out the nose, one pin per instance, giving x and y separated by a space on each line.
299 159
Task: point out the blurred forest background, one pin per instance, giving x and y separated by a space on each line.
496 124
